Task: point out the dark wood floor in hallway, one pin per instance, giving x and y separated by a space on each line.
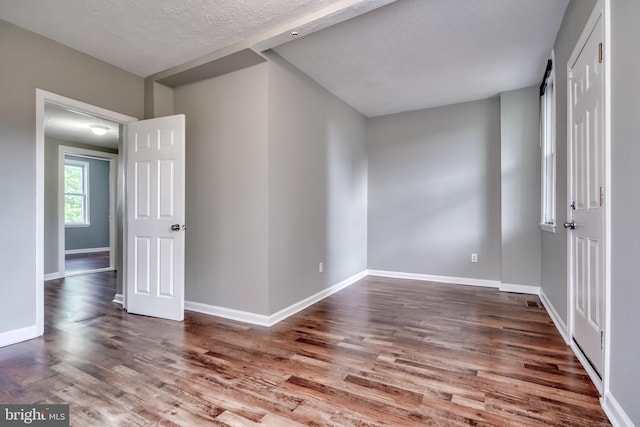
381 352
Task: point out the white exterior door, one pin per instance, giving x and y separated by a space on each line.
586 111
155 217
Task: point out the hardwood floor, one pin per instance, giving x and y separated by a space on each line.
84 262
381 352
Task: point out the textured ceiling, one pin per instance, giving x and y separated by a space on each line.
148 36
415 54
380 56
66 125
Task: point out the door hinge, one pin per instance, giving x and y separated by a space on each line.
601 340
601 195
600 53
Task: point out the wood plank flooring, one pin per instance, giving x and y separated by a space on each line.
381 352
86 262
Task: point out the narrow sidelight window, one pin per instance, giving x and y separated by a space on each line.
548 147
76 193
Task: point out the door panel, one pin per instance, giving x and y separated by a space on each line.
587 166
155 160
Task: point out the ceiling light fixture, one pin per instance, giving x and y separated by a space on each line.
99 129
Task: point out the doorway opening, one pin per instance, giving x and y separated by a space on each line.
47 100
87 219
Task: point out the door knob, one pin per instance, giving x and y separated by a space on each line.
175 227
570 225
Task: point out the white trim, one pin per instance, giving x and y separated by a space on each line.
53 276
85 272
431 278
86 250
270 320
601 11
228 313
557 320
19 335
608 197
519 289
551 228
614 411
301 305
43 97
118 299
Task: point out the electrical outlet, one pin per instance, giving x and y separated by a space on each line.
474 257
321 267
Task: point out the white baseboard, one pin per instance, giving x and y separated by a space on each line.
228 313
85 272
118 299
270 320
18 335
519 289
301 305
441 279
52 276
614 411
557 320
86 250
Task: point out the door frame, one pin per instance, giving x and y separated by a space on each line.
600 12
44 97
112 158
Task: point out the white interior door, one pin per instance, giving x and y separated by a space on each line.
587 156
155 217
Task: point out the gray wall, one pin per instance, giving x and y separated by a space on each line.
226 190
520 163
29 62
317 187
554 245
434 191
625 198
96 235
276 183
51 199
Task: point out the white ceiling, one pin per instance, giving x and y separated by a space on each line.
415 54
148 36
68 125
380 56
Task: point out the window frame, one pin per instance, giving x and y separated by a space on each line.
548 155
85 197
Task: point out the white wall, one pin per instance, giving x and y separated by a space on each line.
29 62
226 190
317 187
520 190
434 191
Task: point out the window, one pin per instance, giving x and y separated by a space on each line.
76 193
548 147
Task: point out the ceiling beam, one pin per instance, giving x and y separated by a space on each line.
246 53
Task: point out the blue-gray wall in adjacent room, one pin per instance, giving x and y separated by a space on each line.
96 235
